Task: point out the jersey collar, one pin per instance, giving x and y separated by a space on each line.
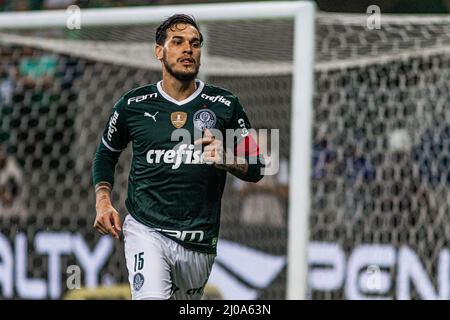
200 86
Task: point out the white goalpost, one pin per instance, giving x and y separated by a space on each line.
300 69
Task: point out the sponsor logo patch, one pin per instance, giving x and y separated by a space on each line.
112 125
241 123
142 98
186 235
184 154
220 99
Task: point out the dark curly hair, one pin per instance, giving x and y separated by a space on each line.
161 32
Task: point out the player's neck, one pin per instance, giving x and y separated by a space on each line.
177 89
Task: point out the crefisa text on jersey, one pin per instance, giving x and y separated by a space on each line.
220 99
112 125
226 310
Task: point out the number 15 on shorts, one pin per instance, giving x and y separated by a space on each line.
138 261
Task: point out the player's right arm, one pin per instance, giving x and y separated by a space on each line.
114 139
107 220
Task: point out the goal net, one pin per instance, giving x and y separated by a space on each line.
381 143
379 223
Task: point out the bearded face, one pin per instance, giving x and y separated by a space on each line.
181 52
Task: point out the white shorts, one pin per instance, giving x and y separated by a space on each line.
160 268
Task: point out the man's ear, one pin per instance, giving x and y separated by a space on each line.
159 52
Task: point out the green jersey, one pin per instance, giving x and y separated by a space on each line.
170 188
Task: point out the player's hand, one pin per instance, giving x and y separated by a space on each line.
213 148
107 220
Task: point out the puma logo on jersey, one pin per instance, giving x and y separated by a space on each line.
142 98
146 114
220 99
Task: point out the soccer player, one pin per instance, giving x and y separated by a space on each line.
174 189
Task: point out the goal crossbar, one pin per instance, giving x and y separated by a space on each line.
149 14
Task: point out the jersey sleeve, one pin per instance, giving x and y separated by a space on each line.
245 145
115 135
114 139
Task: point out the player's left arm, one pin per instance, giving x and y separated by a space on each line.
245 161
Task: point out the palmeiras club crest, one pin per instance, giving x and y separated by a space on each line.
138 281
204 119
178 119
